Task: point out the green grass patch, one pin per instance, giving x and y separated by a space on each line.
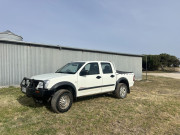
152 107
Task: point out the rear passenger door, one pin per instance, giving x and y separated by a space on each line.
108 77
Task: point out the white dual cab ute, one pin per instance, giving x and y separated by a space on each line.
77 79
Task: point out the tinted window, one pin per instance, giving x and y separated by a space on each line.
91 68
106 68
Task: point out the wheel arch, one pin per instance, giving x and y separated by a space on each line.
125 81
65 85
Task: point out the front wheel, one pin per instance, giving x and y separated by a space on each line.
62 101
121 90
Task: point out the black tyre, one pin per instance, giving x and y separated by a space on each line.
121 90
62 101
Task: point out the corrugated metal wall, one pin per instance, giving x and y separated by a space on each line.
20 60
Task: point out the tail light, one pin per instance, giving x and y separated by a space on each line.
134 78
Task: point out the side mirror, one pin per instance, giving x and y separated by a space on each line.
83 73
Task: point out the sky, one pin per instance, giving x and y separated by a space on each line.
125 26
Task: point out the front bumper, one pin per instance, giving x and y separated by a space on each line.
29 87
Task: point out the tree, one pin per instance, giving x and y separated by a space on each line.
169 60
164 60
154 62
174 61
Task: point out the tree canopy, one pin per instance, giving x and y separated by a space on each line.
154 62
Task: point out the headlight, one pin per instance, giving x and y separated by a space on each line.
27 82
40 84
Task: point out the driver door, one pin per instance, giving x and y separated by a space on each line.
89 80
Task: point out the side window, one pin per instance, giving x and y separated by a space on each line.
91 69
106 68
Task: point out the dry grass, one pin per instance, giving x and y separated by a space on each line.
166 70
153 107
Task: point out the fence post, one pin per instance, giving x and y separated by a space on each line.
146 68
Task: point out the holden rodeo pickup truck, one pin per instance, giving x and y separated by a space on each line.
77 79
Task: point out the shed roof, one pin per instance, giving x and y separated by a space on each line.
8 32
66 48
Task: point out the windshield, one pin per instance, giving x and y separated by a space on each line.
70 68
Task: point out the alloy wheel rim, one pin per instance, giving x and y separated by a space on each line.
122 91
64 102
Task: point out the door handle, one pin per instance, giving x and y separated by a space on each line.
98 77
112 76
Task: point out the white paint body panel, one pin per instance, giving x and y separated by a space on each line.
108 80
89 83
128 76
49 76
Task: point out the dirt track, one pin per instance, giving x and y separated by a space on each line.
171 75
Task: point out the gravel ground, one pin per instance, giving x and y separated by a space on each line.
171 75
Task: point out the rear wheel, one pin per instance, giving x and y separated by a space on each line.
62 101
121 90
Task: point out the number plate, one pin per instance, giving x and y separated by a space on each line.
24 89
